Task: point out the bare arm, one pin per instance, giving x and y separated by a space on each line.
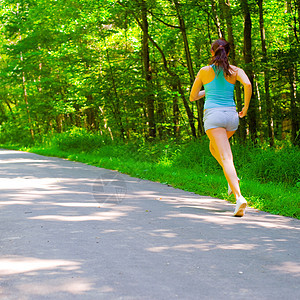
196 92
244 80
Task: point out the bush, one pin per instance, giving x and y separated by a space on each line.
15 135
196 154
275 165
80 140
264 165
253 163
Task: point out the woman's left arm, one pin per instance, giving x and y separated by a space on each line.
196 92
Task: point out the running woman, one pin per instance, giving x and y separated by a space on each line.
221 118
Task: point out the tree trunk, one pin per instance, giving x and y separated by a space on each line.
27 105
293 107
92 123
252 115
25 88
59 123
296 116
225 6
269 104
292 74
115 103
199 104
217 20
173 75
176 114
188 110
147 70
177 81
160 115
298 9
106 127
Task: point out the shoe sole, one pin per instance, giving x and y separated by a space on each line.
241 211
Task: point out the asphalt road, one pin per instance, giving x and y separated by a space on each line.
73 231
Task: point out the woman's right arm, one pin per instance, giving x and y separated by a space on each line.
244 80
196 92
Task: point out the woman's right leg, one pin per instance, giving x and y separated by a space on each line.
213 151
214 154
220 149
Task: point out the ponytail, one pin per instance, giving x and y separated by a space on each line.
221 49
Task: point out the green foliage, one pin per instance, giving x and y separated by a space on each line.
11 134
269 165
196 155
252 163
80 63
80 140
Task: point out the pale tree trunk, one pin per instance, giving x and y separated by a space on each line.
106 127
116 103
217 20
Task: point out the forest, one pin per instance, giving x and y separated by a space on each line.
124 69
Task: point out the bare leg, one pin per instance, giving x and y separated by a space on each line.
213 151
220 149
214 154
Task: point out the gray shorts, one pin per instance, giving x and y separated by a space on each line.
225 117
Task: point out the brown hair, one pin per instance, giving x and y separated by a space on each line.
221 49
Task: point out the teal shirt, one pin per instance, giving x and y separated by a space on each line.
218 92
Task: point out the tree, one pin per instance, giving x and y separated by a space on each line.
252 114
269 104
124 68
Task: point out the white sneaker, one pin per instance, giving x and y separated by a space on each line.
240 207
230 190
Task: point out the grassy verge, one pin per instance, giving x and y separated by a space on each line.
266 185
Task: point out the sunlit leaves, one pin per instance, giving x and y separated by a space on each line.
83 58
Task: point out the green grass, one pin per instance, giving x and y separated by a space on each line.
269 178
